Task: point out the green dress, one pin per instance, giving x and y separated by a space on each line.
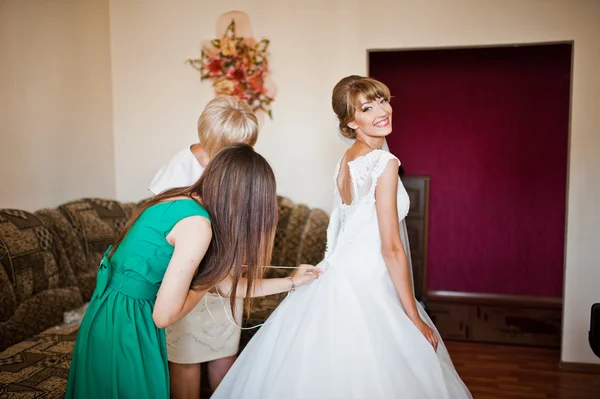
120 353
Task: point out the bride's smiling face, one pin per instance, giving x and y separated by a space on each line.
372 118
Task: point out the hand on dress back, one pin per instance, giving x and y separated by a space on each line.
303 274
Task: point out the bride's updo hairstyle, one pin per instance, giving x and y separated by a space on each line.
345 102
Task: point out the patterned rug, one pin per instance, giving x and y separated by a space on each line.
38 367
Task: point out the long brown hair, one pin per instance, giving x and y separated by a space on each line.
238 191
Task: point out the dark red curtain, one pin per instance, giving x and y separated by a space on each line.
490 126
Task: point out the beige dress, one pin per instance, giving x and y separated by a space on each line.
198 337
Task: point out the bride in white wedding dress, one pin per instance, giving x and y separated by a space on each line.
357 331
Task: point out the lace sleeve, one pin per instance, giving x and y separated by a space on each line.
332 231
381 163
334 221
376 168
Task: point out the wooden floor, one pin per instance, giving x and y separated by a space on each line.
515 372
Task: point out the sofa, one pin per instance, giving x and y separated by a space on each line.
48 264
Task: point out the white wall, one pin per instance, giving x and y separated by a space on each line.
56 135
157 98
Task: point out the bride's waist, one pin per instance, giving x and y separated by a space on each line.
352 257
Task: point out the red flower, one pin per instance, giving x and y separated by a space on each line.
257 82
214 65
236 73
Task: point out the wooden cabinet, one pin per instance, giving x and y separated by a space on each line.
502 324
497 319
417 188
451 320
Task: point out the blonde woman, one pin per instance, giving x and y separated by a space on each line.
206 334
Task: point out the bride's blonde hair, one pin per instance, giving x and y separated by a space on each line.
345 99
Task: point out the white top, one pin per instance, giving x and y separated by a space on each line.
182 170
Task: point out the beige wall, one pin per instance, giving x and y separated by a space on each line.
55 102
157 98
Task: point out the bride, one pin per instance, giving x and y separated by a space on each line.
357 331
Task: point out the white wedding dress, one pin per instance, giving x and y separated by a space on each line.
346 335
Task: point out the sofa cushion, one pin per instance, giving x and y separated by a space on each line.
37 284
313 240
86 228
38 367
293 235
283 219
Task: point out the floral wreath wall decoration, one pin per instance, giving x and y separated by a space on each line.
237 66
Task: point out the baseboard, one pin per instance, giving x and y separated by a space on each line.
588 368
471 298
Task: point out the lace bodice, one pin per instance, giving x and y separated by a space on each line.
357 222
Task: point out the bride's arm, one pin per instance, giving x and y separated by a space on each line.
270 286
392 249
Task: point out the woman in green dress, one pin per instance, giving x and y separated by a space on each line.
175 248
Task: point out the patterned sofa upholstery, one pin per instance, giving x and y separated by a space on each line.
36 284
48 264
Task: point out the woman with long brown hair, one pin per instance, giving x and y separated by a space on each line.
175 248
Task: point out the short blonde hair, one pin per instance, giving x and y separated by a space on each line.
226 120
344 99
